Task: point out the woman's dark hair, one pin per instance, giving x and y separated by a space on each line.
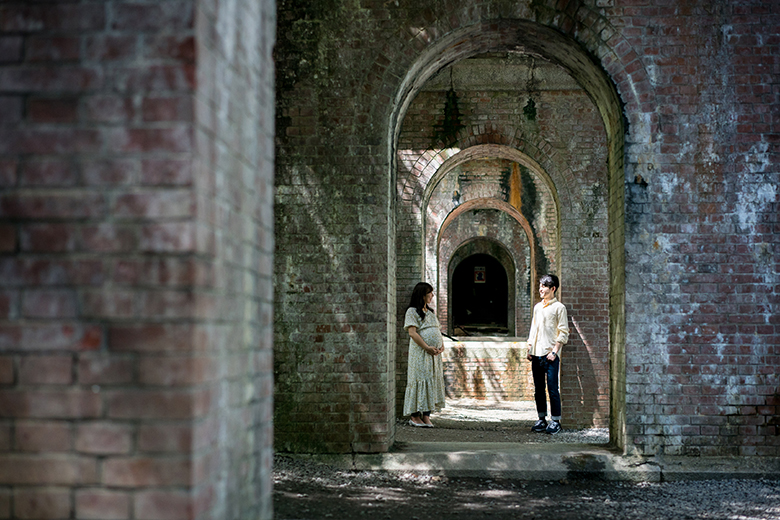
550 280
418 298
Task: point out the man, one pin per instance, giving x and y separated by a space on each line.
549 333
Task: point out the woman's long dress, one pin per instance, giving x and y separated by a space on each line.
425 376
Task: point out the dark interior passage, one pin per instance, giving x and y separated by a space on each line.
479 296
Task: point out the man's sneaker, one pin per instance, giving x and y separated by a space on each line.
539 426
553 428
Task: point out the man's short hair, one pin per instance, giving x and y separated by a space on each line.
550 280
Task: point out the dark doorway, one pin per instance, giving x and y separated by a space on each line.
479 296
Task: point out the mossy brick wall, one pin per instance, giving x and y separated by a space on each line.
702 233
487 371
505 235
689 108
136 242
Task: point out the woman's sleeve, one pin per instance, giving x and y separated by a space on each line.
412 319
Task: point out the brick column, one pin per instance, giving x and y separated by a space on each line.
135 252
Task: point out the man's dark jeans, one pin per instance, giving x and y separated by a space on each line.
546 372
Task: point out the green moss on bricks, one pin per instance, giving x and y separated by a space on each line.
446 132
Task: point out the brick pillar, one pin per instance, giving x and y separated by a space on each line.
136 168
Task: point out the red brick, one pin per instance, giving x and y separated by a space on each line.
63 336
11 110
138 404
167 304
167 109
5 438
62 404
150 338
7 170
111 47
45 370
167 238
99 504
160 172
58 48
173 371
163 505
165 438
57 110
154 204
7 238
48 504
146 79
49 304
56 80
103 369
47 238
43 436
172 47
15 272
168 272
47 140
167 15
109 172
8 305
137 472
109 109
109 238
76 205
108 304
5 503
21 17
104 438
6 370
174 139
48 173
10 49
43 469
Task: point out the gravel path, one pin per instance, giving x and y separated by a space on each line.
305 489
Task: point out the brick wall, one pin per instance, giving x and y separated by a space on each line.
685 259
702 234
487 371
135 259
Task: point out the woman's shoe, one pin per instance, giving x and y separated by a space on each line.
417 425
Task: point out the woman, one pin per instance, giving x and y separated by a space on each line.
425 377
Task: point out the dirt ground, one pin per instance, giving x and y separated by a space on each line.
469 420
299 495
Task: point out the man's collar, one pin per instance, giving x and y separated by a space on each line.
550 302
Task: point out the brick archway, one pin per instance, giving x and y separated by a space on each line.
525 36
516 250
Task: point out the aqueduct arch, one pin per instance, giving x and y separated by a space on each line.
417 170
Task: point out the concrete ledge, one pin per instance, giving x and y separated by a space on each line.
718 468
549 462
522 462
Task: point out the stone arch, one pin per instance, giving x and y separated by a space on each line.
504 152
568 40
515 251
490 247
